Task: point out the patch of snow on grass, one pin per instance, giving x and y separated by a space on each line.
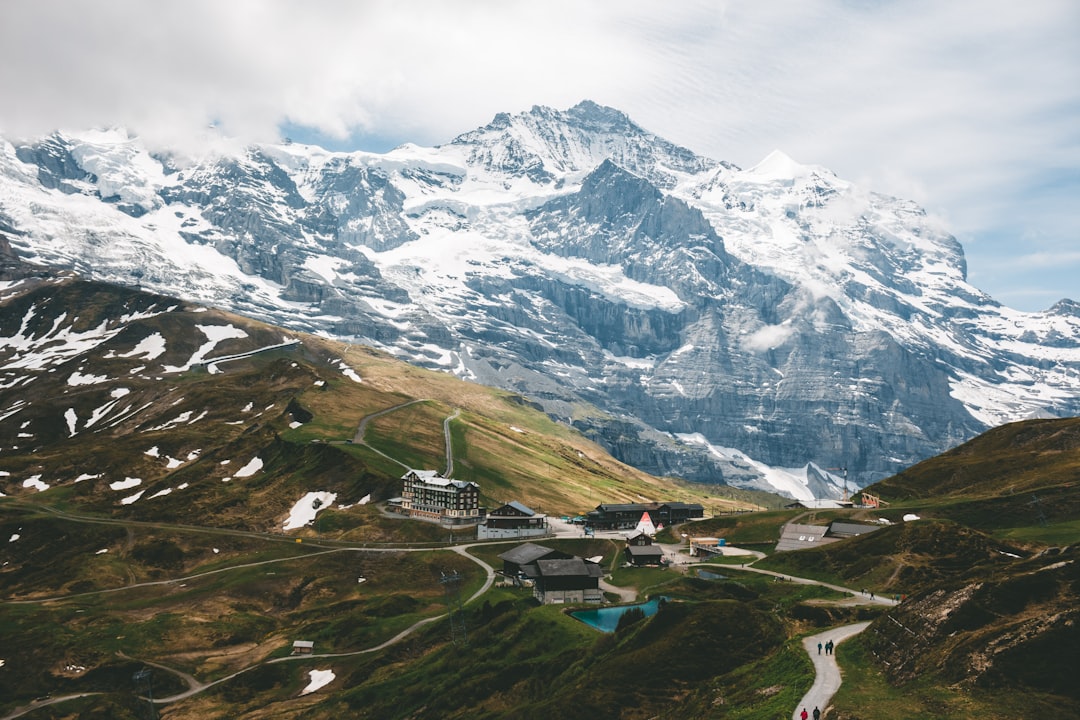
125 484
149 348
119 392
294 424
102 551
365 500
254 466
348 371
214 335
160 493
72 419
14 537
304 511
35 482
911 516
153 452
77 378
319 679
173 463
184 417
87 476
516 429
132 498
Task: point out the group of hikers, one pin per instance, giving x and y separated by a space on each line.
828 647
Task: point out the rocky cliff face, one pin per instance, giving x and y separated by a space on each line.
731 325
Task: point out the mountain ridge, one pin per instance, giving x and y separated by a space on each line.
736 325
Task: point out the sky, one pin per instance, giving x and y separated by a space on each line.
969 107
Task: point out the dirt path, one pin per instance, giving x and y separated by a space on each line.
361 429
19 712
827 679
857 597
449 446
626 595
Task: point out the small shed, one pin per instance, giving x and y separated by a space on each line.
303 647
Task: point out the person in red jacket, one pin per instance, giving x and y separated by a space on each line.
803 715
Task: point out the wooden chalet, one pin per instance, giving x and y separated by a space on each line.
641 551
513 520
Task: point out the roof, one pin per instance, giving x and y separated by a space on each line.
425 474
836 527
573 567
645 550
645 507
432 477
527 512
303 644
684 506
526 553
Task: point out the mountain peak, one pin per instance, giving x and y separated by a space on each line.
778 165
593 115
1065 306
545 144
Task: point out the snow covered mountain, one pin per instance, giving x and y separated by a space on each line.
758 327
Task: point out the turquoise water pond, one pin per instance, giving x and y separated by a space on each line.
607 619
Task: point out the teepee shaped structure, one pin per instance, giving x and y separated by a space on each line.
645 525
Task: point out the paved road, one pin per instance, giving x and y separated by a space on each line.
827 681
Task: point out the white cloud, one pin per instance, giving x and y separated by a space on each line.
971 107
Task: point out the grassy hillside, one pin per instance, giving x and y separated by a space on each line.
120 409
1013 459
989 571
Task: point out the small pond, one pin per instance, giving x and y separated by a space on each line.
607 619
706 575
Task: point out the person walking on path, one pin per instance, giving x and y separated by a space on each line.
819 648
827 672
803 715
817 713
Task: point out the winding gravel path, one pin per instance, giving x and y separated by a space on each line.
827 680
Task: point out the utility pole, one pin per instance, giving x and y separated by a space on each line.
844 470
451 582
142 676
